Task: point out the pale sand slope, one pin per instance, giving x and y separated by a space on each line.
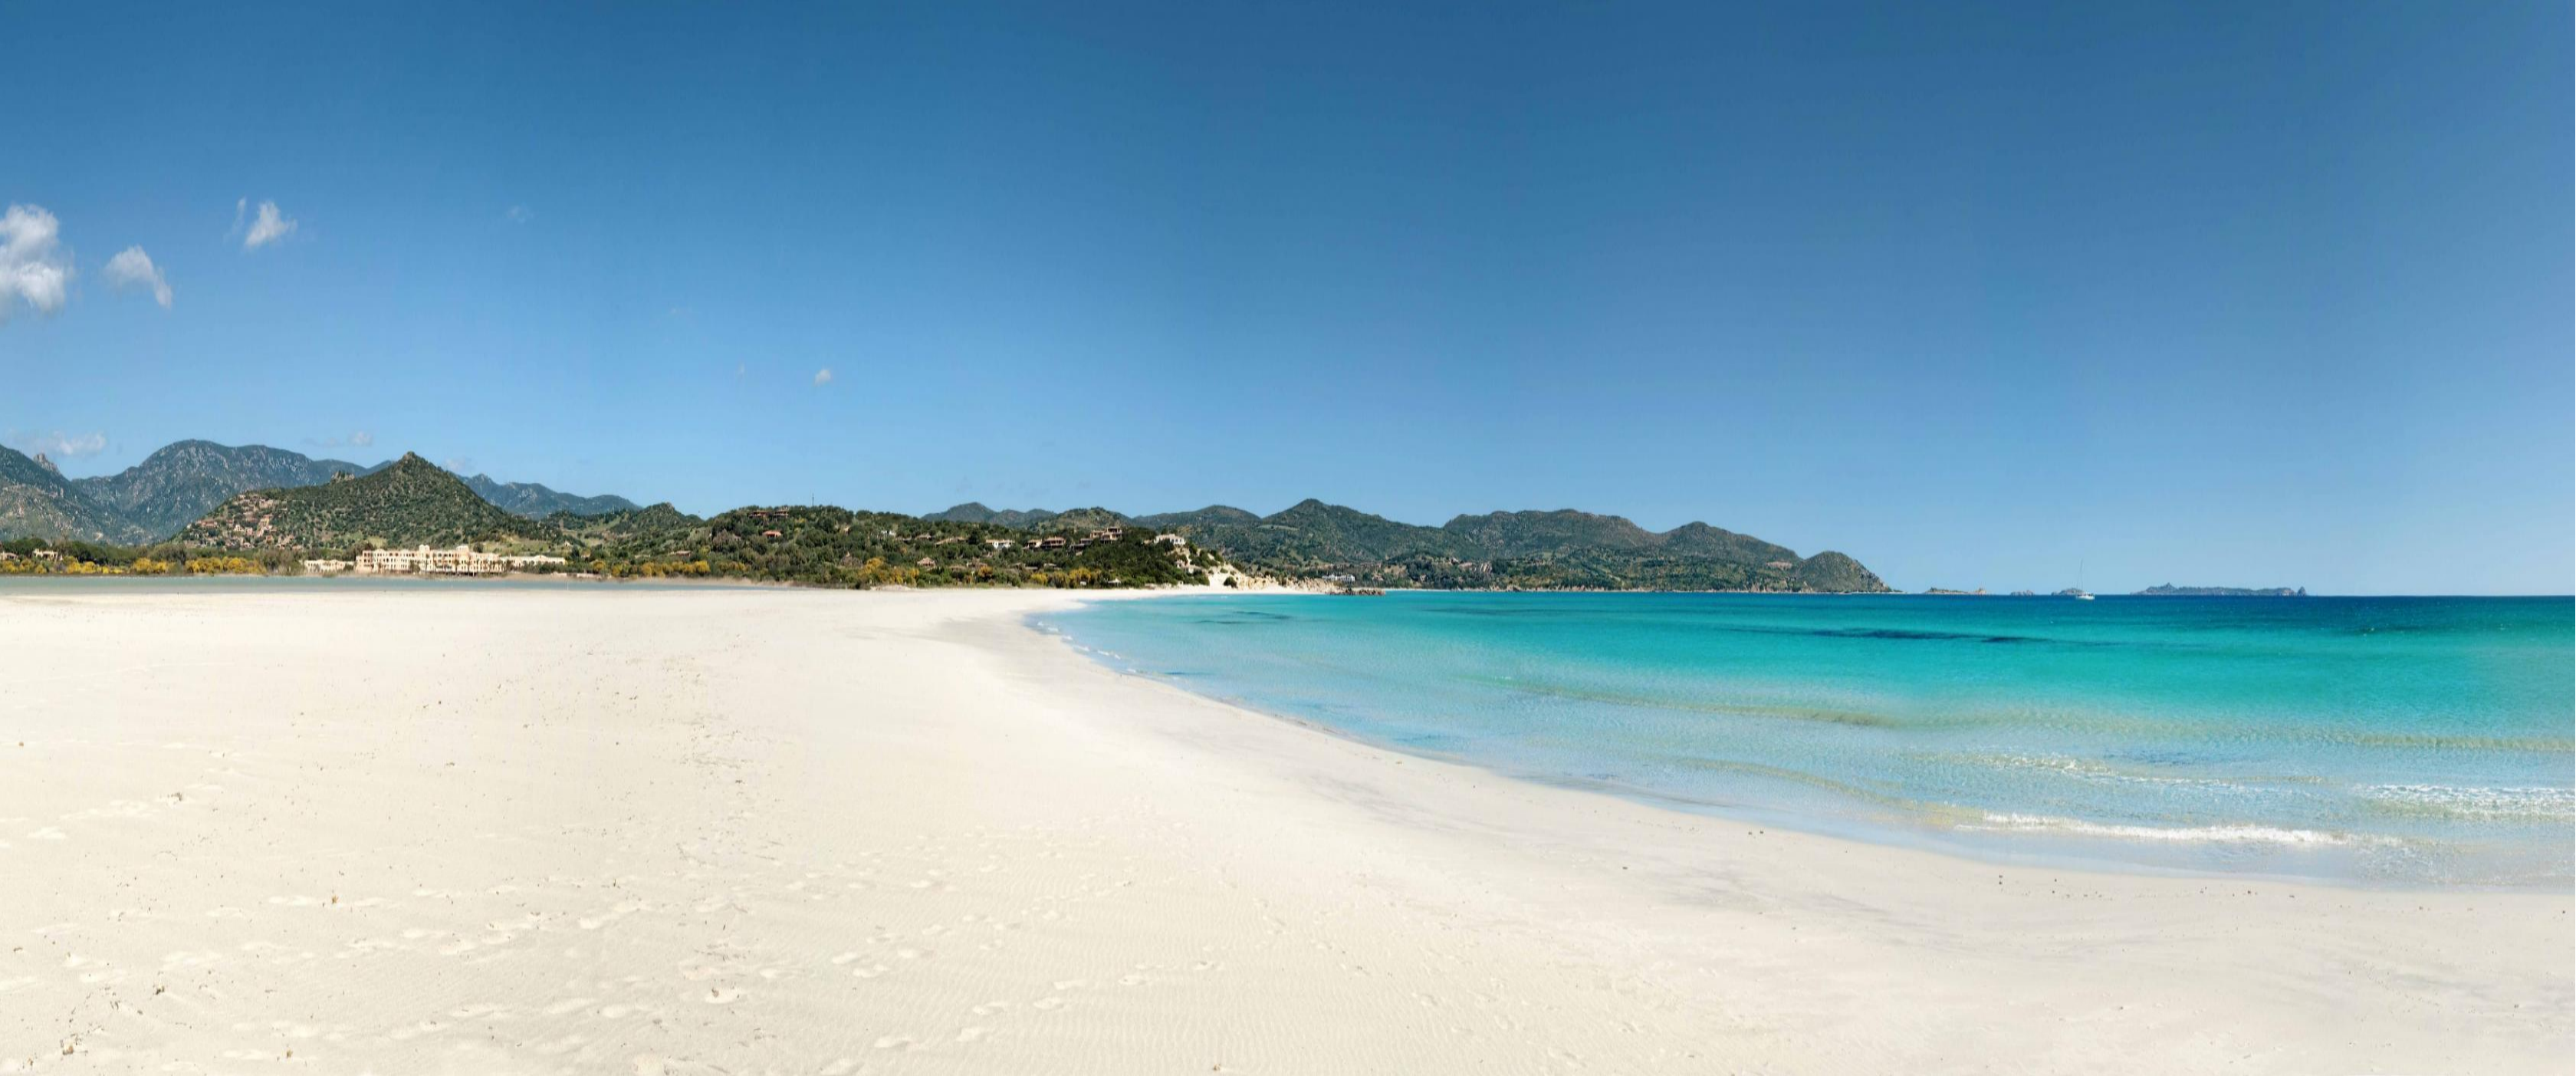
468 831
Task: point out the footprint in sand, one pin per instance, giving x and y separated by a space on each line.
1047 1004
973 1034
725 996
871 971
564 1045
840 1066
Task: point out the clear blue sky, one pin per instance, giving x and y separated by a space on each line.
2229 293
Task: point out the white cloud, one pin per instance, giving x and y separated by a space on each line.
59 445
132 267
822 377
362 439
519 214
267 227
30 269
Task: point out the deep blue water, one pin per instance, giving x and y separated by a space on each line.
2386 740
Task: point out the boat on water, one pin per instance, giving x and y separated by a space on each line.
2083 596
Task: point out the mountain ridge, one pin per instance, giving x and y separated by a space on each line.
159 496
1556 548
36 501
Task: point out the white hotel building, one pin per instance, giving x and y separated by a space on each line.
462 560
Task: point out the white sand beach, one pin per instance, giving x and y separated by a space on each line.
529 830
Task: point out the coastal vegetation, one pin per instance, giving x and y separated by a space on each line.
29 556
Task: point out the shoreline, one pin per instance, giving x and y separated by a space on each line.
673 829
2085 843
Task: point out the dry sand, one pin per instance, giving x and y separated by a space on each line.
468 830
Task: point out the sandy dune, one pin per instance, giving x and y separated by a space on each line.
626 830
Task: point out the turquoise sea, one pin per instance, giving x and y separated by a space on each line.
2406 741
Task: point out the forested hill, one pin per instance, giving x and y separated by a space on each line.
1537 550
411 502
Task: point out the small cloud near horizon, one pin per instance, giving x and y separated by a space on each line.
822 377
57 444
132 268
519 214
30 269
268 227
458 464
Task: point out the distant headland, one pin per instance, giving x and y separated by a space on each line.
2168 590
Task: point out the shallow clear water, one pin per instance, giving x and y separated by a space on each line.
2394 740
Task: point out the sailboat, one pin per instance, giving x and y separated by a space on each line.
2081 594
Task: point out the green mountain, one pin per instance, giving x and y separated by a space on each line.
187 479
36 501
975 512
1077 519
410 502
537 502
1214 515
624 523
1538 550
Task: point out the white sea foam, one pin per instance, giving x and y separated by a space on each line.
2231 834
2471 802
2089 770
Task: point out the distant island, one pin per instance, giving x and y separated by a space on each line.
2168 590
199 507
